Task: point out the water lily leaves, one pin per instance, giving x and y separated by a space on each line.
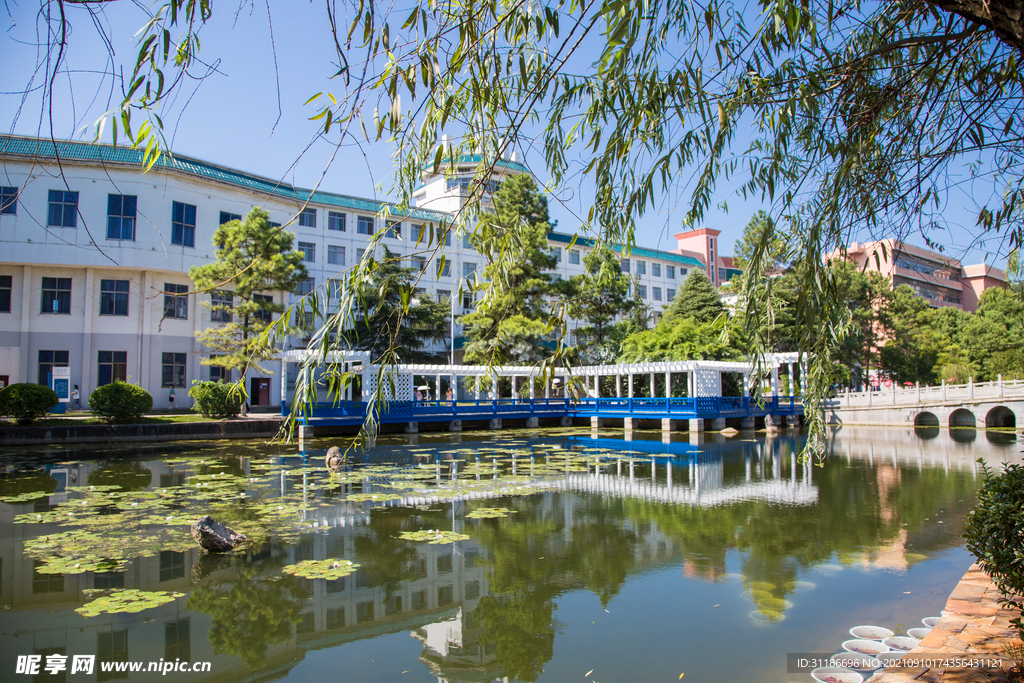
489 513
433 536
329 569
127 601
374 497
24 497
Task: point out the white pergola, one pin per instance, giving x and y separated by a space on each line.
703 377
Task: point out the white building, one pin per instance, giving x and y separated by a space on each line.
96 255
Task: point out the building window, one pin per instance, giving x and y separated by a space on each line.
173 373
364 225
177 641
308 250
394 230
56 295
683 272
63 209
111 646
721 274
671 294
656 293
183 224
467 242
359 254
641 267
574 256
6 284
264 315
9 200
335 255
175 301
655 270
417 235
226 217
625 265
336 221
172 563
468 269
670 272
444 268
219 374
306 286
48 360
307 218
114 297
419 263
220 306
113 367
121 217
641 291
467 300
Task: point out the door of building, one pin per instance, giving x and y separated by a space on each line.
260 391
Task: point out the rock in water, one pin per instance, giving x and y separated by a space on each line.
213 536
334 458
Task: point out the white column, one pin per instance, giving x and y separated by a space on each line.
146 308
547 388
652 385
792 379
597 386
26 323
85 373
437 388
476 388
668 385
618 385
530 380
515 387
630 387
494 386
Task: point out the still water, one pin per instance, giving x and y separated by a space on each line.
578 557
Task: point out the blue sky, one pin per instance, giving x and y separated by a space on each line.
233 117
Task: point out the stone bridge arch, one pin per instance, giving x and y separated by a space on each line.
963 417
1000 417
926 419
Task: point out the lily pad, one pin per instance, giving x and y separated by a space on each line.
433 536
321 569
489 513
127 601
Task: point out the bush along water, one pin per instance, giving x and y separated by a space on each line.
26 403
120 402
995 533
215 399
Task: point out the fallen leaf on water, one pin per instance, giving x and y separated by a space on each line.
681 675
716 605
607 611
588 673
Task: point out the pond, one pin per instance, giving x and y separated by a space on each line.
520 556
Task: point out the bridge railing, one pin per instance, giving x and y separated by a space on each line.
940 394
424 410
718 406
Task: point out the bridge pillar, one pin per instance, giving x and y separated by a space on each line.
696 438
494 423
771 423
532 422
596 422
627 424
455 426
696 425
305 432
717 424
747 422
412 427
793 421
670 425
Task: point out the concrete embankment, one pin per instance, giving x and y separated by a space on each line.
249 428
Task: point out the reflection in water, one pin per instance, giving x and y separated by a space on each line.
744 521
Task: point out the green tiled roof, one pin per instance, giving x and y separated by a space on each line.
688 261
478 158
12 146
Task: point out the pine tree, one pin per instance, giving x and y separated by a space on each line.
510 324
696 299
598 298
254 260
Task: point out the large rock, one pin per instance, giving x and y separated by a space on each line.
335 458
214 537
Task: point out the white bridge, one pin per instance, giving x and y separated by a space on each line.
990 405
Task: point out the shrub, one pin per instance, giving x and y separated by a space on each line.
995 532
215 399
26 403
120 402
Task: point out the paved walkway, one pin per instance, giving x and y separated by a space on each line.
972 625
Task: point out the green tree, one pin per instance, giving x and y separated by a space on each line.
696 299
908 354
759 231
391 314
679 339
253 261
867 295
510 322
994 336
599 299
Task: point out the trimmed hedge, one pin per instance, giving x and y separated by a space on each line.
120 402
995 532
214 399
26 403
